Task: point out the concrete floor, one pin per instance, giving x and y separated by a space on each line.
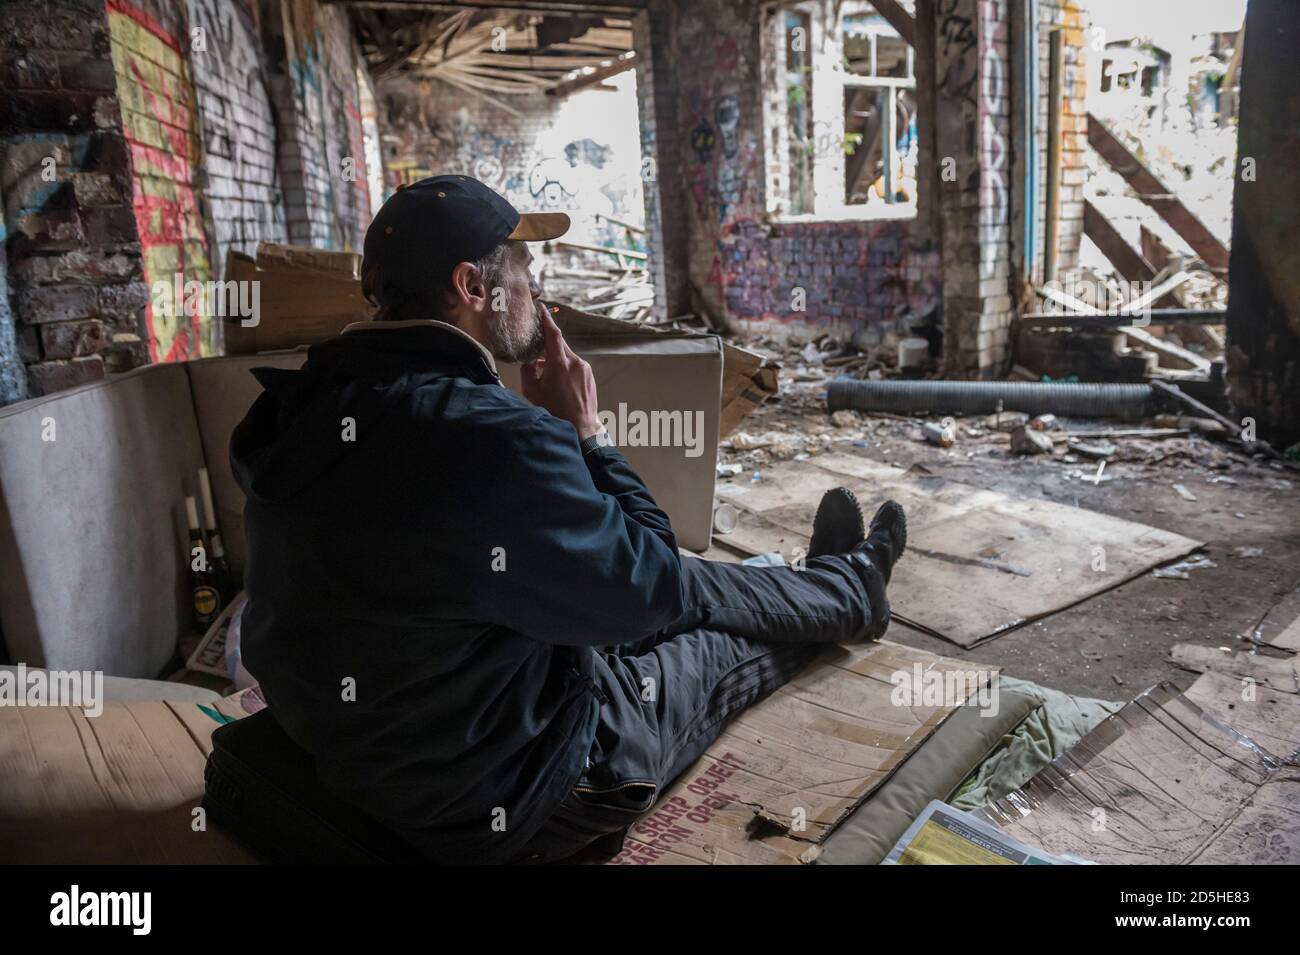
1116 644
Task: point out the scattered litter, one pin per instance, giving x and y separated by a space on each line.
724 518
1045 422
1185 494
1006 421
1092 450
943 434
728 470
741 441
1179 570
1249 551
1024 440
844 418
773 559
1118 681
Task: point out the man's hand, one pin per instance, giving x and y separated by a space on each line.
560 381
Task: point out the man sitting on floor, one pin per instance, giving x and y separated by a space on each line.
466 605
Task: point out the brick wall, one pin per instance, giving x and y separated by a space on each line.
242 189
743 265
314 85
995 309
140 142
162 125
75 275
579 154
1067 16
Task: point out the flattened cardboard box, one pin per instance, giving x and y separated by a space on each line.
120 787
307 295
661 395
1166 781
664 392
786 771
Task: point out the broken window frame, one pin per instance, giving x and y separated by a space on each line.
829 86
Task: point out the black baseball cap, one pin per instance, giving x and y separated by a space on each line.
426 228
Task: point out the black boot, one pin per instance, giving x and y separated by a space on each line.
887 537
874 560
838 526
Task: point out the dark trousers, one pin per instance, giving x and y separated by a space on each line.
745 632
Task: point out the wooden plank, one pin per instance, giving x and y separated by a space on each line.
1180 355
1157 195
598 75
898 18
1157 316
1127 261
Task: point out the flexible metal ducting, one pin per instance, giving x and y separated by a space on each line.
1085 400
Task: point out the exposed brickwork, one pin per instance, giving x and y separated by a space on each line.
242 190
321 159
162 125
1067 16
741 265
75 276
568 154
992 339
140 142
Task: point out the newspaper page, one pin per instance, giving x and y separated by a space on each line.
942 835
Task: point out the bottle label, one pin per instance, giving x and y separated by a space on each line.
206 601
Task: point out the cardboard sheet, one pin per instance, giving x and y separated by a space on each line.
1281 625
120 787
1278 673
978 563
785 772
668 387
1164 781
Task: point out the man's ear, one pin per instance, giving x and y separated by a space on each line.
467 286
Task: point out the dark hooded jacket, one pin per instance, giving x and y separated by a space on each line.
431 561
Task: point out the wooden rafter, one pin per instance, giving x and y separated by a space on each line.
1158 196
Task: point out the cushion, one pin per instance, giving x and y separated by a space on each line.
933 771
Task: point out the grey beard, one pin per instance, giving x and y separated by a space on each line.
508 347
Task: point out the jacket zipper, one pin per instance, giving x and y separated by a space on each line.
596 691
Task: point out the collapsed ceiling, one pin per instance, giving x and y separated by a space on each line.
493 52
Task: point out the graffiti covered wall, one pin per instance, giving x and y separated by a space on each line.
321 151
578 154
745 265
161 125
242 190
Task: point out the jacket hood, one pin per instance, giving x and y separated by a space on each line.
296 430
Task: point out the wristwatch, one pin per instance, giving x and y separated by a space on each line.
600 439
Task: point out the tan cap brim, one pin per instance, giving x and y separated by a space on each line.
540 226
